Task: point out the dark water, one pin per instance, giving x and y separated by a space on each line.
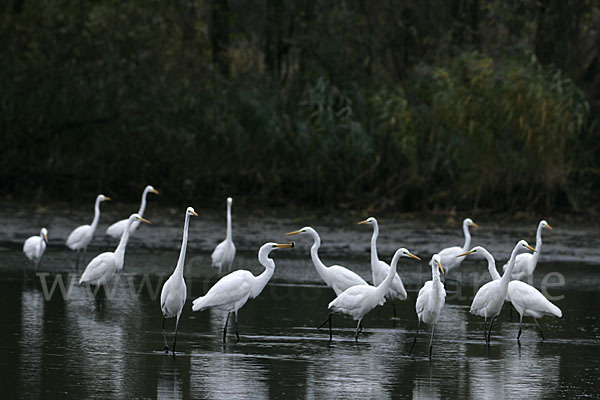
78 345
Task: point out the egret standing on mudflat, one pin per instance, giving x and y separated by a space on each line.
35 246
116 229
527 300
103 266
380 268
336 277
489 299
232 291
358 300
430 301
525 263
224 253
174 291
81 236
448 256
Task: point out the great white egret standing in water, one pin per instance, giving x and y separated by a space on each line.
174 291
224 253
336 277
81 236
525 263
380 268
448 256
489 299
35 246
103 266
430 301
233 290
527 300
116 229
358 300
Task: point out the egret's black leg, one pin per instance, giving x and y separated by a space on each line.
328 319
361 327
165 336
77 260
237 335
520 326
485 329
490 331
225 327
431 341
416 336
510 308
539 326
176 326
394 308
356 334
330 333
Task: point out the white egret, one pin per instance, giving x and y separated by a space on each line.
174 291
103 266
233 290
448 256
81 236
224 253
35 246
336 277
489 299
380 268
358 300
116 229
525 263
527 300
430 301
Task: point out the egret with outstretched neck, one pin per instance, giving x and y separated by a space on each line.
116 229
174 291
448 256
102 268
525 263
81 236
224 253
358 300
35 246
233 290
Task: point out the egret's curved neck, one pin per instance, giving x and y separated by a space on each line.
314 255
435 279
96 215
184 242
374 257
491 263
143 203
511 263
228 222
120 251
467 237
538 240
383 287
261 281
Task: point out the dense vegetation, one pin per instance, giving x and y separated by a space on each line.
404 105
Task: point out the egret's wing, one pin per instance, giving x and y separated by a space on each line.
423 297
97 267
482 297
217 254
229 289
77 235
343 278
350 299
529 298
30 246
116 229
448 257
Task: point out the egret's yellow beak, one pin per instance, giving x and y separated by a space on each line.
106 198
466 254
194 213
294 233
154 191
474 225
440 265
363 222
284 245
46 238
413 256
548 226
531 248
144 220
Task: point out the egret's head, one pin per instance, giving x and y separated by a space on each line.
150 189
139 218
368 221
405 253
472 251
229 201
267 248
190 211
102 197
545 224
303 231
44 233
523 246
469 222
437 261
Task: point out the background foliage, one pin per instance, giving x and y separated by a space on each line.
410 105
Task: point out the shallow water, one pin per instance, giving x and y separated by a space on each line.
109 345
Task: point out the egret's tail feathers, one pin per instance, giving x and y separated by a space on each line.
555 310
197 304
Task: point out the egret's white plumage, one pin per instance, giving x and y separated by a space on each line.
81 236
489 299
525 263
224 253
116 229
358 300
336 277
102 267
232 291
527 300
448 256
35 246
431 300
380 268
174 291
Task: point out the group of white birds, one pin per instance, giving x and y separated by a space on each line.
354 296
